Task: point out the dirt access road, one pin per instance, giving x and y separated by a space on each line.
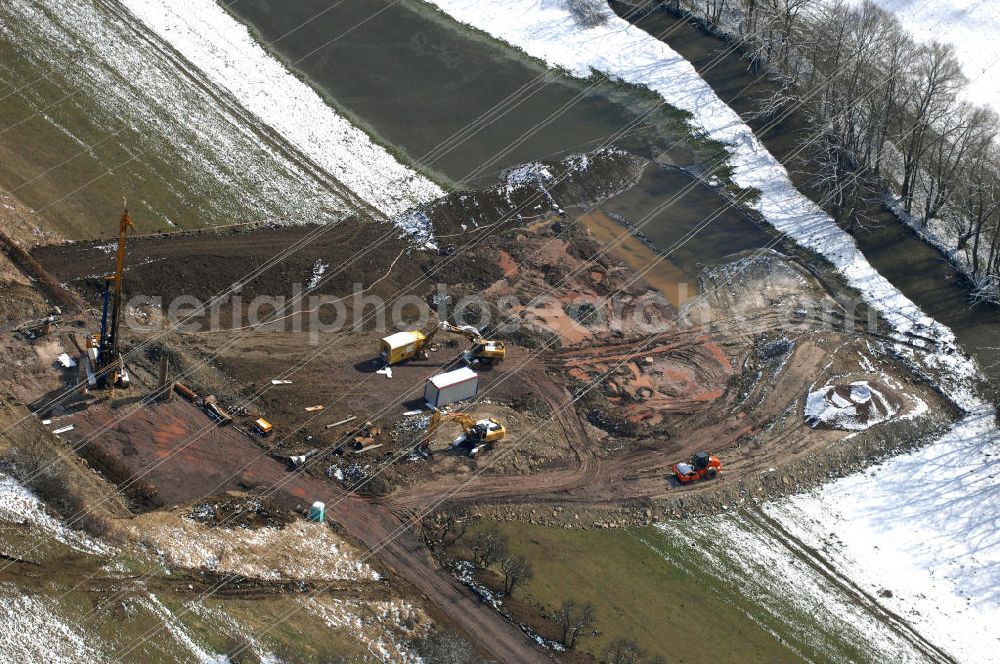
171 444
755 429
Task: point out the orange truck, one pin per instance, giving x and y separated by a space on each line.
703 466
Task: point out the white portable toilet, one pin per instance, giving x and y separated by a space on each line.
450 387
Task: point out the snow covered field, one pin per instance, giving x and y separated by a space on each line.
223 49
924 497
19 505
31 630
219 130
971 26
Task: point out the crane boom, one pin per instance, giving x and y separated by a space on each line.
124 224
113 288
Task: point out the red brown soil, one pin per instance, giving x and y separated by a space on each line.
185 459
665 379
686 397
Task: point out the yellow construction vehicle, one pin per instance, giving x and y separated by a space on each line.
477 433
483 350
403 346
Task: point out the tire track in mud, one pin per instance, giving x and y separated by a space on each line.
641 474
824 568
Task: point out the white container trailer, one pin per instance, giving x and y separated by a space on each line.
450 387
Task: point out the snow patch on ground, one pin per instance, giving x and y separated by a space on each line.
223 49
179 632
418 224
19 505
32 631
318 270
923 527
299 551
226 624
533 175
782 589
862 407
380 625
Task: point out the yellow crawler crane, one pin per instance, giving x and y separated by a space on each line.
110 365
477 433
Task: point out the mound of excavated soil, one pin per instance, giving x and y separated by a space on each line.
202 265
237 511
297 551
331 259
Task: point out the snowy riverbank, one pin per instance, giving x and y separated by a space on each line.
335 152
545 29
230 58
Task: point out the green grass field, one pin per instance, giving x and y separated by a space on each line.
666 609
689 593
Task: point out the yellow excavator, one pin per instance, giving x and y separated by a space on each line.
104 352
482 350
477 433
403 346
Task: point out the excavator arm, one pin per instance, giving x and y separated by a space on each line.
437 419
482 349
476 431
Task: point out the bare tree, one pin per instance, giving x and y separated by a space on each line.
837 179
489 547
967 130
885 107
623 651
977 186
443 530
516 570
935 83
589 13
573 619
786 13
714 10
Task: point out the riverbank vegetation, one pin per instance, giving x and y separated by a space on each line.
892 113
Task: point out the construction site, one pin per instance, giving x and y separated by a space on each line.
531 366
576 416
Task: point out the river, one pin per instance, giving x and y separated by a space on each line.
913 266
416 80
